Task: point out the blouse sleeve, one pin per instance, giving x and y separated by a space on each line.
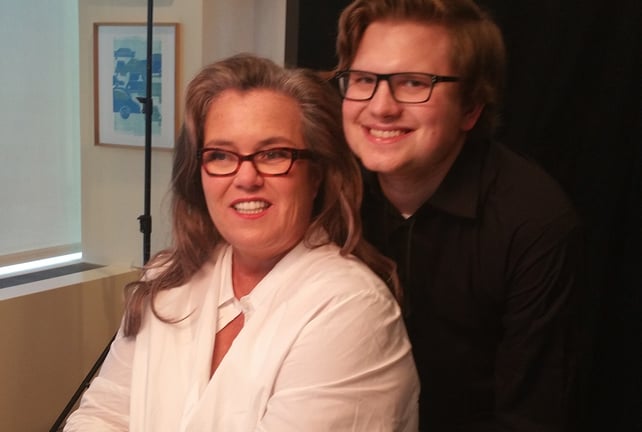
105 405
350 369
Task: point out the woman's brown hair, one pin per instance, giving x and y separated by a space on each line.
337 205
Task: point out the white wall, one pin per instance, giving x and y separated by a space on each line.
113 177
230 27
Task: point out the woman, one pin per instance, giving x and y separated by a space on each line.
261 316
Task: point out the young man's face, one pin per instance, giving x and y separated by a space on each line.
402 140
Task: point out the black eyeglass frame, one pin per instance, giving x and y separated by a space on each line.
342 76
295 154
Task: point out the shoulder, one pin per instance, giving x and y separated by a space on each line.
522 191
324 274
521 177
331 295
183 300
326 263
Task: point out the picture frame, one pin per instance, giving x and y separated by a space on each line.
120 76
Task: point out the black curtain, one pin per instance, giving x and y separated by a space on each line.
573 102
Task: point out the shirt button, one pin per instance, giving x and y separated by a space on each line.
246 306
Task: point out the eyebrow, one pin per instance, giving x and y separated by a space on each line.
222 143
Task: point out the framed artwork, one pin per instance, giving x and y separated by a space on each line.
120 84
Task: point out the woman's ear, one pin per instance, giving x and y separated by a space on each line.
316 177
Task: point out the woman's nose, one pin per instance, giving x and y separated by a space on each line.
248 176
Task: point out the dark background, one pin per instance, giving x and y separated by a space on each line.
573 103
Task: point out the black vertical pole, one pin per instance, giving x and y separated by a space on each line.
145 220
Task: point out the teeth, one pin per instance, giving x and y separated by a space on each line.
251 206
385 133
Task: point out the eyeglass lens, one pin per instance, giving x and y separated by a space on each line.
276 161
405 87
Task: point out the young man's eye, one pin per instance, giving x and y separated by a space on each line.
415 82
362 79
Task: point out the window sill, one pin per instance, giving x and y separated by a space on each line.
56 282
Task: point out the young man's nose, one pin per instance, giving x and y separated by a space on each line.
383 101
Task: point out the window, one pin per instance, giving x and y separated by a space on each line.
39 130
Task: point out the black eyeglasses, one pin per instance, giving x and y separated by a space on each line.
271 162
405 87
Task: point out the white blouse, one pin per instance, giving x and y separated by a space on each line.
323 348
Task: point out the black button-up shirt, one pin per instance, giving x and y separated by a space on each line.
490 266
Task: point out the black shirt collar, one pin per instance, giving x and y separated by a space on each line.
460 191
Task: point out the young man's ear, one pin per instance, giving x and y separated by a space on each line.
471 115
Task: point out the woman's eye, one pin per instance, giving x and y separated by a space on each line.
274 154
217 156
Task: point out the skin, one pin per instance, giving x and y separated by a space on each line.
410 146
262 217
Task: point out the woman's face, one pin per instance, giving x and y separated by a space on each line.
262 217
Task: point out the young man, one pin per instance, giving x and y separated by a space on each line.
488 248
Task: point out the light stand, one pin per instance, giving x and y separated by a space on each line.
145 220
